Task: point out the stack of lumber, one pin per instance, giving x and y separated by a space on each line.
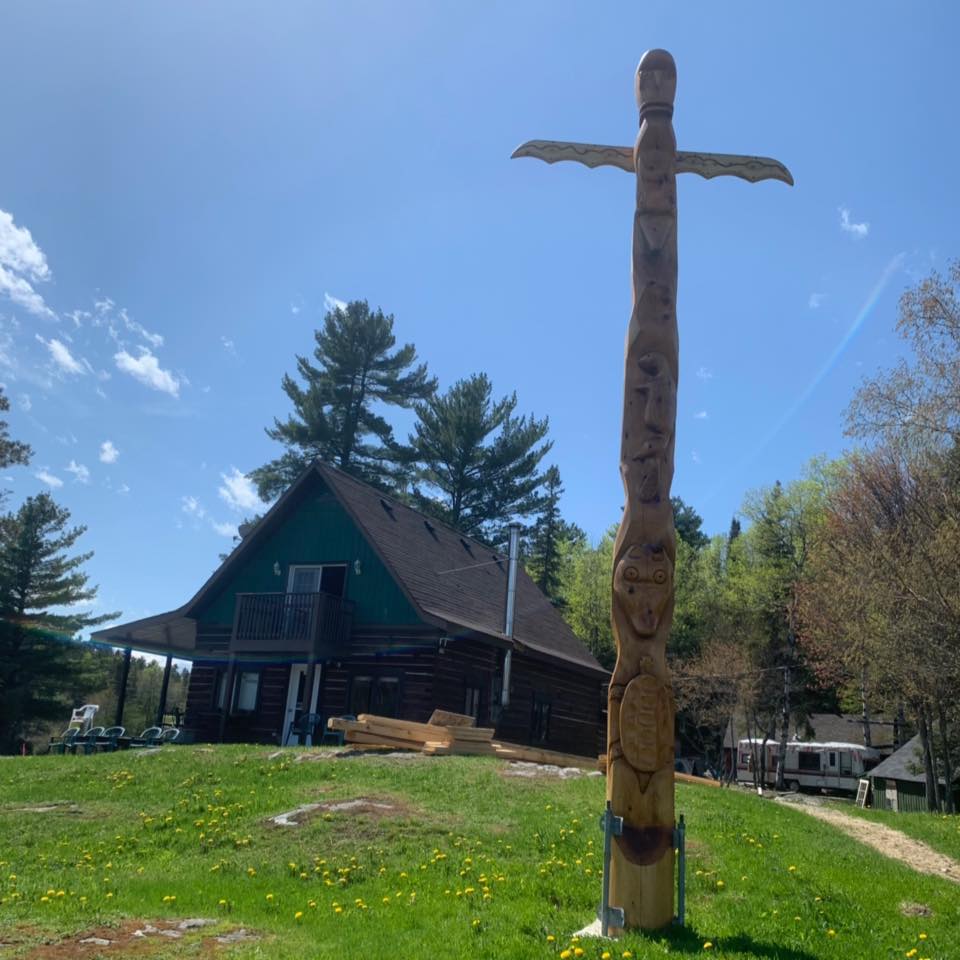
452 737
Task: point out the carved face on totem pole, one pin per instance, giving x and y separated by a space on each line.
652 411
643 582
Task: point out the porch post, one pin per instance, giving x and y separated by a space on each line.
227 695
162 706
315 629
231 669
122 692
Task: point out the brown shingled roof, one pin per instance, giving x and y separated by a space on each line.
453 577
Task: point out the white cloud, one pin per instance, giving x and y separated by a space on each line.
80 473
704 374
107 315
63 359
695 457
331 303
108 452
22 263
859 230
146 368
295 308
238 492
192 508
225 529
25 403
123 489
229 345
700 415
816 300
45 476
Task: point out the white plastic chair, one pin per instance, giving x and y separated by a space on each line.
84 716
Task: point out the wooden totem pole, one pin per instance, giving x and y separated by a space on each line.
640 733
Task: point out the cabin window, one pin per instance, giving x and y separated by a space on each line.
318 578
808 761
379 695
833 759
220 688
540 720
846 763
471 702
247 688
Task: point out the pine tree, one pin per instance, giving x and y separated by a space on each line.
548 538
688 524
11 451
335 417
39 664
477 462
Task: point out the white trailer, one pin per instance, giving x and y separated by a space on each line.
815 766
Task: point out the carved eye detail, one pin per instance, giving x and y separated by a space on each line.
660 576
632 574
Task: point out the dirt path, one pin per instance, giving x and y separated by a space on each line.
891 843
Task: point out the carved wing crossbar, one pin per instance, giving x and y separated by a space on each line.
707 165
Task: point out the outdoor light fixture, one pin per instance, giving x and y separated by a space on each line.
276 568
357 569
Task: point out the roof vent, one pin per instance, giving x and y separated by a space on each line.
497 560
431 529
388 508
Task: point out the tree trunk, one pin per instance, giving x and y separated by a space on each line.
784 730
867 740
898 724
948 804
928 770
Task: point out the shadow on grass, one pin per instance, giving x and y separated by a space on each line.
689 940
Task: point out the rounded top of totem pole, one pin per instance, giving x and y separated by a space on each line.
656 83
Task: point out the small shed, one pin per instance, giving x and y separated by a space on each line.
899 783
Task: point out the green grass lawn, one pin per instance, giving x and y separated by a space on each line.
938 830
469 863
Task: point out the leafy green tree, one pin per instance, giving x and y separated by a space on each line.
688 524
477 463
586 593
335 416
550 533
40 666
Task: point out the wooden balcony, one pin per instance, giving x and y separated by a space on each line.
316 624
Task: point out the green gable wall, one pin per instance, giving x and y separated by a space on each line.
316 530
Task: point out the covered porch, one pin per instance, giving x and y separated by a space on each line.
242 676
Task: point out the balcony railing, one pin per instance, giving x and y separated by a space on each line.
279 623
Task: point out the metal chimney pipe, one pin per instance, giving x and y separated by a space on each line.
514 552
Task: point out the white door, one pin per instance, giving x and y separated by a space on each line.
296 706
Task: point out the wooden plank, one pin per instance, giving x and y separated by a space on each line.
468 734
697 781
358 736
445 718
518 751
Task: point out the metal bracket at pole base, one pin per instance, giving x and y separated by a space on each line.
612 826
680 845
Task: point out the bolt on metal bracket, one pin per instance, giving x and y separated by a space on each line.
612 826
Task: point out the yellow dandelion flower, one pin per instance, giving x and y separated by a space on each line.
921 936
708 946
566 954
626 955
269 897
578 951
792 868
605 955
831 932
298 915
338 909
720 884
550 938
911 953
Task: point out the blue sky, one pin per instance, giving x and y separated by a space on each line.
183 186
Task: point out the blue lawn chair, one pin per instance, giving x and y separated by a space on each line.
109 739
305 727
65 742
335 737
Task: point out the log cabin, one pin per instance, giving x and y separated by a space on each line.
342 600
